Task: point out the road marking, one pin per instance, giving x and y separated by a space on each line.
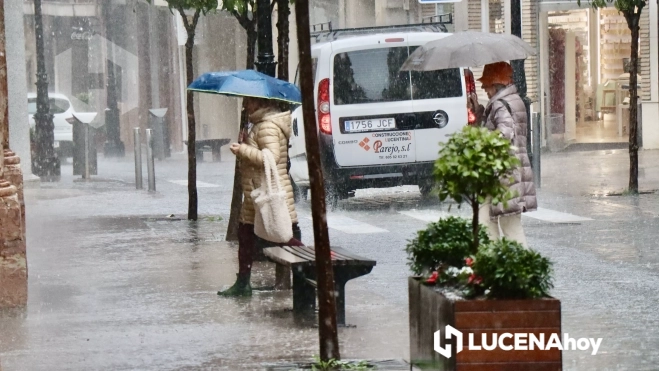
351 226
199 184
429 216
554 216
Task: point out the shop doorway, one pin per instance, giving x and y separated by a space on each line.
585 87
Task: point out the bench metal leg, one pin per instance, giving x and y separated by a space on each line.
340 287
282 277
217 153
304 295
342 275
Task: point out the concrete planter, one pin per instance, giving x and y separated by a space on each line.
431 311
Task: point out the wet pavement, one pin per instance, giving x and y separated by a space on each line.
120 281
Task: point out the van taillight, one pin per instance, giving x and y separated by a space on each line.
471 117
470 83
324 118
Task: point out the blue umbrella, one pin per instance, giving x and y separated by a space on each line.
247 83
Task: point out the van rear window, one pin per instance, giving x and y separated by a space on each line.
371 76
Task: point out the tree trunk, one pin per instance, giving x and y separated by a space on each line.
474 225
633 23
4 103
237 198
283 39
192 135
327 332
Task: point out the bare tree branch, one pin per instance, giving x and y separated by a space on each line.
195 19
242 19
186 23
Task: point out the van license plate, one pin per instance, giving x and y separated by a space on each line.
353 126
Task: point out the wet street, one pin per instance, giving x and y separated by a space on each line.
119 280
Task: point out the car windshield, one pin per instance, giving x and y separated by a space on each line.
370 76
57 105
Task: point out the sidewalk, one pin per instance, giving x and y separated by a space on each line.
117 283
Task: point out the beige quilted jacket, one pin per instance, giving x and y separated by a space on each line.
271 130
512 125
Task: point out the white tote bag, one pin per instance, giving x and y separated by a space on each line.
272 220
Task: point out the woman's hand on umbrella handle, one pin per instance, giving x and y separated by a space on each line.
242 135
472 101
480 113
235 147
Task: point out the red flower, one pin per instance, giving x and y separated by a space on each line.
475 280
433 277
469 262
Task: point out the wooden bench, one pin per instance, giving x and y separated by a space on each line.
215 146
301 261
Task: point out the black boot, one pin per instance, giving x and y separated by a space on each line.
240 288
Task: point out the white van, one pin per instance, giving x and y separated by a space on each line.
62 110
378 127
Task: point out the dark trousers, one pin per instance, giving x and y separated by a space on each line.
247 245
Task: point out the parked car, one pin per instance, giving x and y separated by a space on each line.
378 127
61 108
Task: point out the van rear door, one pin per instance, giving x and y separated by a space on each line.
441 108
370 103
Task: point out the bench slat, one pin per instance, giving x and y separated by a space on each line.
289 255
347 254
310 250
210 142
337 253
282 256
302 253
338 256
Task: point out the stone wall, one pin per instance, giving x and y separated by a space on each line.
13 264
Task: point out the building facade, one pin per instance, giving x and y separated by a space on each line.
576 81
142 46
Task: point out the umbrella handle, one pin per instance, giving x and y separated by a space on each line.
242 134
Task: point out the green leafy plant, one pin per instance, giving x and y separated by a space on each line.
85 98
471 166
510 271
444 243
335 365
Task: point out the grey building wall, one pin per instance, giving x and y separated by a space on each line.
19 131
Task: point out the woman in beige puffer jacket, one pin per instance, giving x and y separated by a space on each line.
271 129
506 113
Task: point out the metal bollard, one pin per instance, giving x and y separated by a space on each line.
536 150
138 159
149 160
86 152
